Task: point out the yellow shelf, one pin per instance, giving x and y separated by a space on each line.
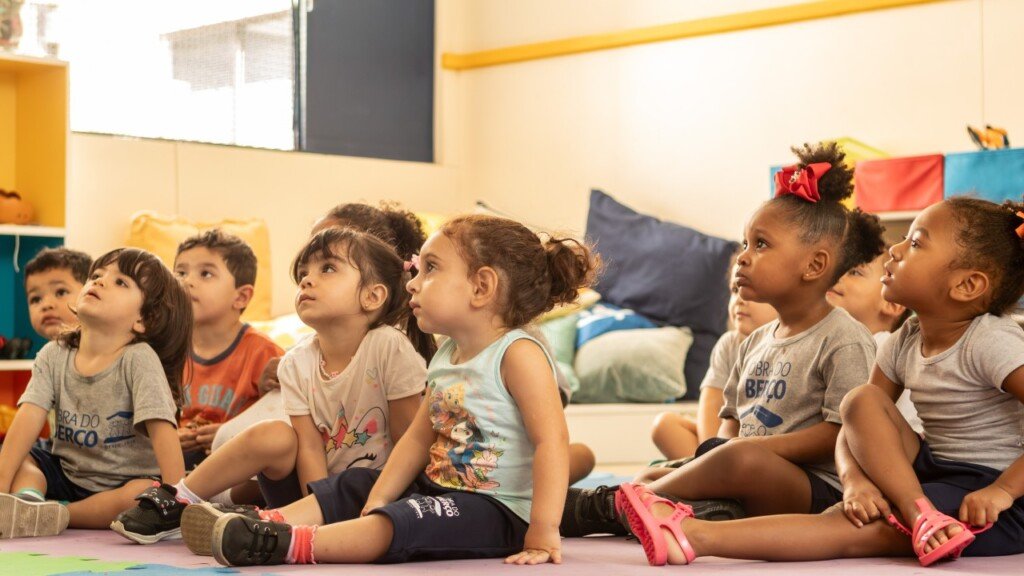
15 365
43 231
34 133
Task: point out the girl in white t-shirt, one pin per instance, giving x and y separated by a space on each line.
350 390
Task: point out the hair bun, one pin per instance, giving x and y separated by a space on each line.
836 184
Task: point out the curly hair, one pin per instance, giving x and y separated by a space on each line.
856 234
398 227
987 235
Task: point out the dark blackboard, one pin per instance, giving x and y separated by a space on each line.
370 79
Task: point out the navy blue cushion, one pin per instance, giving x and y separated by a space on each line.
669 273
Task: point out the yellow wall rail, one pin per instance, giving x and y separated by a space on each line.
674 31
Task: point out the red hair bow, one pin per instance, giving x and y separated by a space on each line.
801 182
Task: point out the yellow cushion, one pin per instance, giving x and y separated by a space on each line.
855 152
587 298
285 331
161 236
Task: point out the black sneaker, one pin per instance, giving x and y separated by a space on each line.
23 516
241 541
715 509
198 519
592 512
157 516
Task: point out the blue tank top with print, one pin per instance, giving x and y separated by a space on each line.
482 445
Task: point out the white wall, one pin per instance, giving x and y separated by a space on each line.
683 129
687 129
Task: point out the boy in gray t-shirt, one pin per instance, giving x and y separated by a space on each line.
100 436
783 385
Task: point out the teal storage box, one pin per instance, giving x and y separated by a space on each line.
995 175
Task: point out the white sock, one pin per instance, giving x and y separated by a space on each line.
33 494
223 498
185 494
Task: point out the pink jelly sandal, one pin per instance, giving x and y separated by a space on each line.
635 501
928 523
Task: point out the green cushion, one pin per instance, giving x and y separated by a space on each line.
561 335
633 366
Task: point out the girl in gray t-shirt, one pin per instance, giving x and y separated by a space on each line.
114 385
961 489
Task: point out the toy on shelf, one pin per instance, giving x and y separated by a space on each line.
14 209
15 348
991 138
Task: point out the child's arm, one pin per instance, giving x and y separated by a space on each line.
167 448
811 445
401 413
529 379
408 459
24 430
708 407
311 459
730 428
984 506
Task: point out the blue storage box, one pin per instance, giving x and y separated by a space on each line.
995 175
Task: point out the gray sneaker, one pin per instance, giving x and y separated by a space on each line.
198 519
25 517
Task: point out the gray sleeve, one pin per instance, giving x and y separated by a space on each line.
723 356
996 352
888 354
151 393
41 390
844 369
732 384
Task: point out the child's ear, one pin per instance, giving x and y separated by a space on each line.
969 285
818 265
139 327
243 296
373 297
485 286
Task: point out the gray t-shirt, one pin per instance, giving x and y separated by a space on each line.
781 385
101 436
723 358
958 393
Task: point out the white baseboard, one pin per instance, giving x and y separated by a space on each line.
619 433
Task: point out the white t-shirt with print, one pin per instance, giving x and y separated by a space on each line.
351 409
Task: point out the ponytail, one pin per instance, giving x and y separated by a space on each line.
862 244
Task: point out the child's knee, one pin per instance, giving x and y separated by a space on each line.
740 460
666 423
863 397
273 437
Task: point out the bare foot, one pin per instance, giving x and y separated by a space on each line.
940 537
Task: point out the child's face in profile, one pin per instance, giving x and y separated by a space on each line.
50 294
441 290
859 291
920 271
748 316
769 266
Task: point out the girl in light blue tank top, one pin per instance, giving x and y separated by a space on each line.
482 470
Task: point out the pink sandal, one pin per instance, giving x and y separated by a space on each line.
928 523
635 501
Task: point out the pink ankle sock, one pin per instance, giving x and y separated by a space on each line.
300 551
272 516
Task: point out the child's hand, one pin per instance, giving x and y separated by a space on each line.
540 546
863 503
205 435
983 506
268 379
187 437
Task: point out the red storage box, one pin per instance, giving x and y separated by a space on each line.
893 184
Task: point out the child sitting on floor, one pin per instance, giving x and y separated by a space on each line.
115 385
227 356
483 470
781 412
350 390
958 491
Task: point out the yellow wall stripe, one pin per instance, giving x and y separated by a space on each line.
675 31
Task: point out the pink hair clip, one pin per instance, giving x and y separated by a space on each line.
413 262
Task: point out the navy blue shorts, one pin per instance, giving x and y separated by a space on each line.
280 493
430 522
823 494
946 483
58 486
